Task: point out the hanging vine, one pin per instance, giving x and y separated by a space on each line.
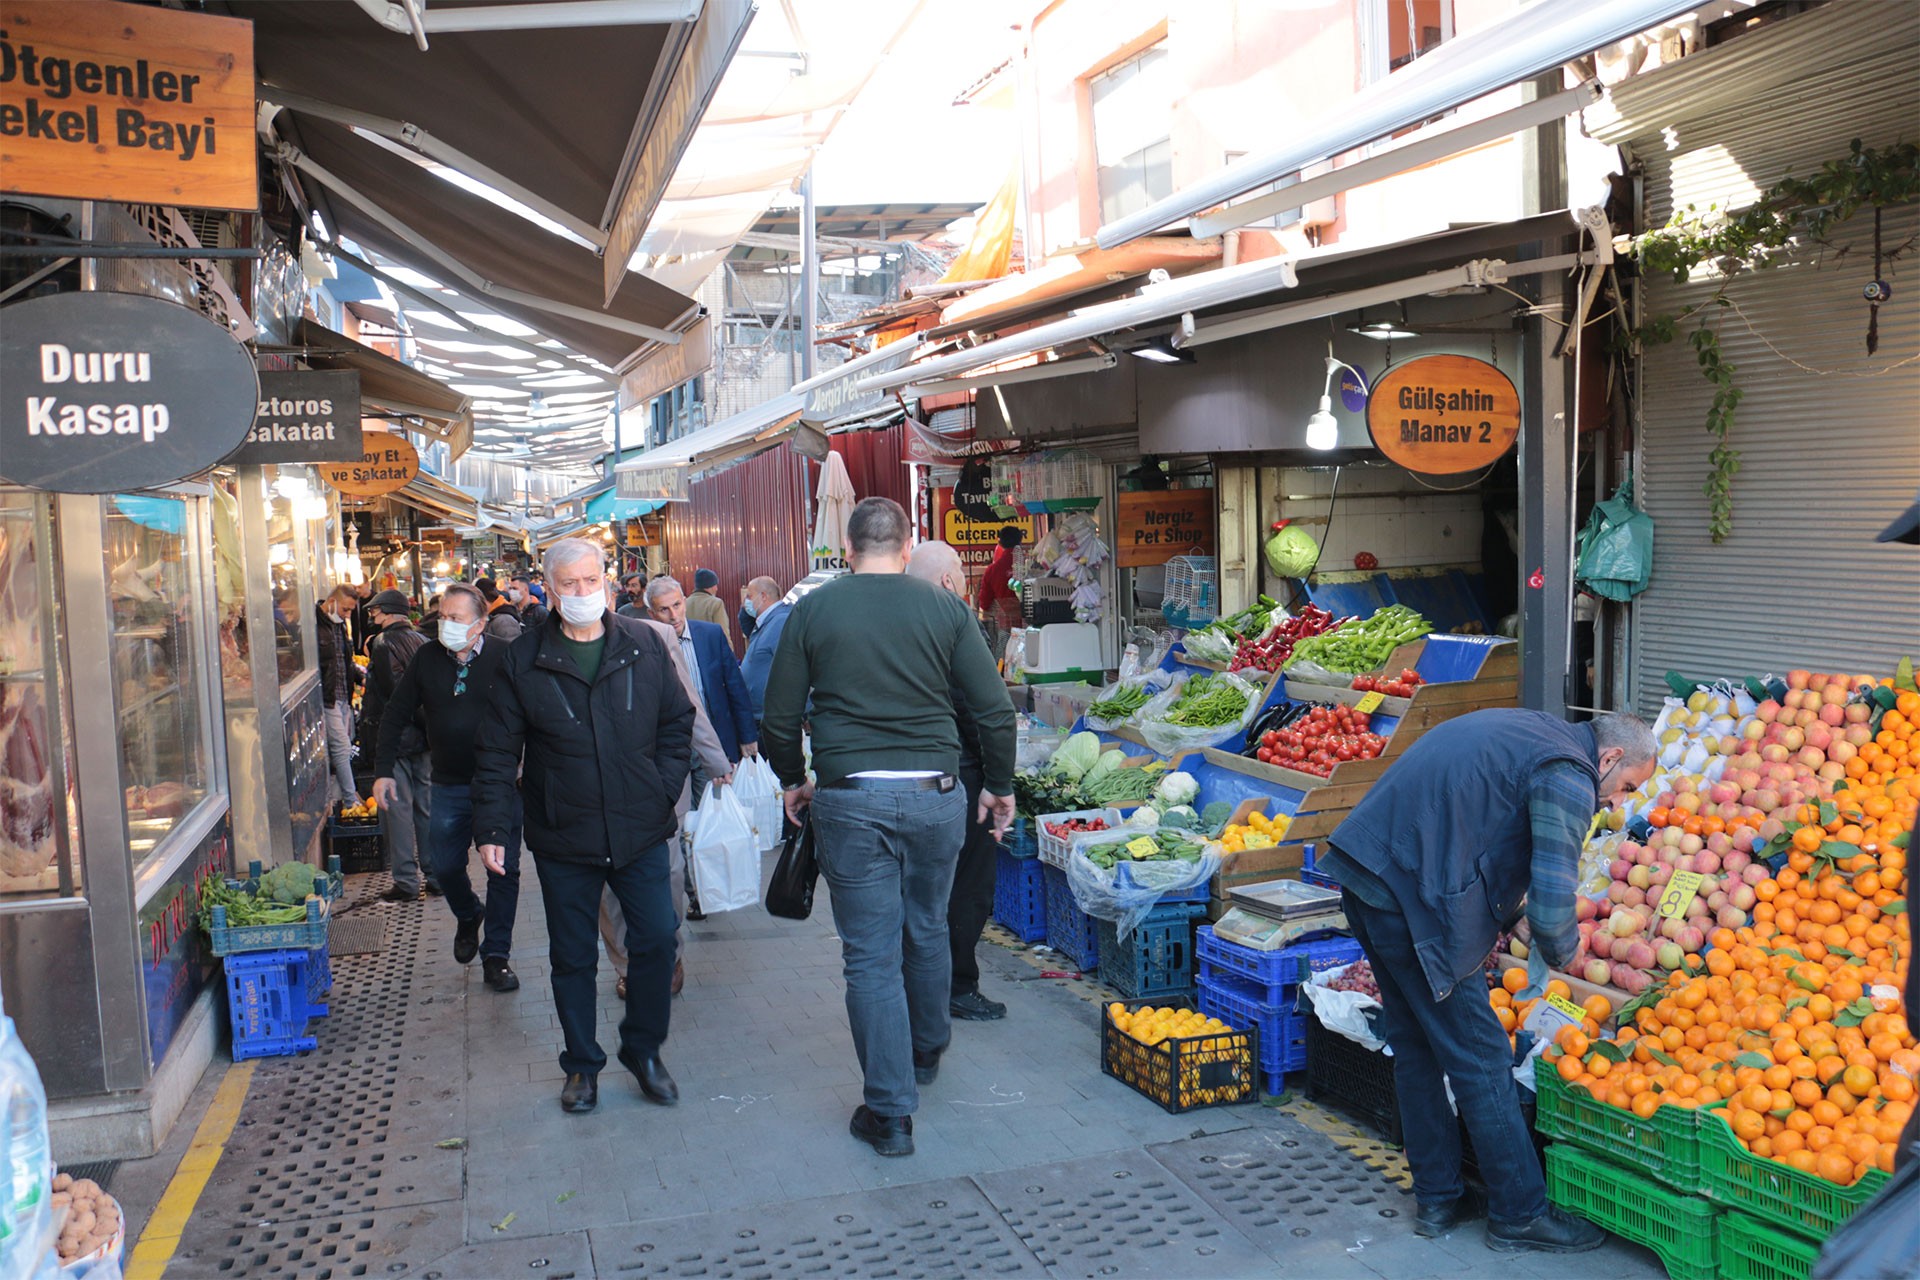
1792 211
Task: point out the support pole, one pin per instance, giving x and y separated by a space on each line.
809 277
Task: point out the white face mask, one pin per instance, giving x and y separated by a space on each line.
580 610
454 635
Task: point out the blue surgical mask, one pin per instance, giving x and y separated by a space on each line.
753 610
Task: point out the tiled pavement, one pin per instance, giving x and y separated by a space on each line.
424 1138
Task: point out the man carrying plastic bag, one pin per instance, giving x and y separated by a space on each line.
726 853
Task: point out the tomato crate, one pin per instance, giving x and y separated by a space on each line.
1182 1074
1274 971
1679 1228
1283 1030
1358 1078
1156 959
1070 931
1020 895
1750 1249
267 997
1775 1193
1665 1145
1053 849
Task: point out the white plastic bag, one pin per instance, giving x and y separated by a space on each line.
725 858
1344 1012
760 792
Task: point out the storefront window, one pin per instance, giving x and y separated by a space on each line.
152 587
230 591
34 725
291 491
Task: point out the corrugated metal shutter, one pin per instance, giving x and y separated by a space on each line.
750 519
1829 438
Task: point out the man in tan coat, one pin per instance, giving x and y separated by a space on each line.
705 604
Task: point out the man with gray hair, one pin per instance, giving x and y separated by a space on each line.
1479 821
588 709
889 815
769 613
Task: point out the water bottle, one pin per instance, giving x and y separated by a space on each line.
23 1102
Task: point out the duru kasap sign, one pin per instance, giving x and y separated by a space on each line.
109 392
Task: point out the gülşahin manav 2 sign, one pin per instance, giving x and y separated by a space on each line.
111 392
306 415
1444 415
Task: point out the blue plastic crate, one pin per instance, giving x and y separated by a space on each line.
1312 875
266 995
302 935
1154 960
315 971
1020 840
1283 1030
1070 931
1271 971
1200 893
1020 896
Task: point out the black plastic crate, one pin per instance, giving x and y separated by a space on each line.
357 845
1182 1074
1359 1079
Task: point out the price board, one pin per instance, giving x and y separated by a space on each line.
1679 894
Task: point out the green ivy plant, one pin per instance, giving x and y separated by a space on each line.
1792 210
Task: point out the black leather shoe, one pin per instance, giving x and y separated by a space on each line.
397 894
971 1006
466 941
889 1135
693 910
580 1094
654 1080
1438 1219
500 975
434 890
1551 1232
926 1066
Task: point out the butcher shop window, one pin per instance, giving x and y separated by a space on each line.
36 832
153 587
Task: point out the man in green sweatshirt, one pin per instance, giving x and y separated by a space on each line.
880 654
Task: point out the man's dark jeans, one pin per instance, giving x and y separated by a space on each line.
450 838
571 893
887 857
970 904
1457 1040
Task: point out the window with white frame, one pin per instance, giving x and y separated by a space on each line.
1133 151
1396 33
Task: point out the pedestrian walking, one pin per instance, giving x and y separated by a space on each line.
999 604
1479 821
590 705
745 615
871 660
338 677
705 604
446 688
527 603
769 620
970 904
406 803
632 601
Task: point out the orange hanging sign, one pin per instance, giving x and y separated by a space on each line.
1444 415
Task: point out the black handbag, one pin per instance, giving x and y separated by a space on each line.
790 893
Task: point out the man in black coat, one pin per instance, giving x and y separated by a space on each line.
407 805
588 708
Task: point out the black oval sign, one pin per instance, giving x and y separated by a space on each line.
107 392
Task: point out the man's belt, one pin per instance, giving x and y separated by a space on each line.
942 782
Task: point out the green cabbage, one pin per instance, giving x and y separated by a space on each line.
1076 755
1292 552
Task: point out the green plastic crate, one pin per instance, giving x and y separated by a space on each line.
1679 1228
1752 1250
1802 1203
1666 1145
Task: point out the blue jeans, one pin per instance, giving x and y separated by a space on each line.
1457 1040
452 835
571 892
888 859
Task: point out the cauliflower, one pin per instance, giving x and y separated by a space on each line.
1144 818
1176 788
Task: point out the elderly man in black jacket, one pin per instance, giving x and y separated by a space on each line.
606 728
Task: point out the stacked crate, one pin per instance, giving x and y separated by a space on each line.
1244 987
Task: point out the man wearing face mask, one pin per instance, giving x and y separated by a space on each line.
1481 820
447 686
526 604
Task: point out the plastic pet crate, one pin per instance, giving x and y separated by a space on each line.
1283 1030
1070 931
1182 1074
1273 971
1679 1228
1156 959
1358 1078
266 995
1020 896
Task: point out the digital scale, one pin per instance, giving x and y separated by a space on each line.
1275 914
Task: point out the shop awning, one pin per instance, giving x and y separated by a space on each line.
611 507
429 493
548 534
1071 275
661 474
581 115
389 388
1535 39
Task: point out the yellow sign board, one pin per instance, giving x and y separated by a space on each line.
387 462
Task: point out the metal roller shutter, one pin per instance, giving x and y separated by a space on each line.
1827 457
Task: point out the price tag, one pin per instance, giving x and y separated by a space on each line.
1547 1017
1142 847
1568 1007
1370 701
1679 894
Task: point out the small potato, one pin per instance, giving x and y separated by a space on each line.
62 1181
61 1198
86 1187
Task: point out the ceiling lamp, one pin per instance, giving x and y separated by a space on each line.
1323 430
1384 330
1162 351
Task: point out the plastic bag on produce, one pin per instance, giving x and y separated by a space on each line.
1668 709
725 859
1169 739
1350 1013
1126 899
1314 673
1208 646
1152 682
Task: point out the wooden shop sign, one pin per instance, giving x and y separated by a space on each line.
132 102
1444 415
387 462
1154 527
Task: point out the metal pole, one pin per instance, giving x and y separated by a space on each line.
809 277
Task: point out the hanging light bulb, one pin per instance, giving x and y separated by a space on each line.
1323 429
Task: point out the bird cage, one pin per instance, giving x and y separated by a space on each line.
1192 594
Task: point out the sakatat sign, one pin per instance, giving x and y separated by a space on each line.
110 392
1444 415
387 462
133 102
306 415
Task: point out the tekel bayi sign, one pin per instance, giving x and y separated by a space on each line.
306 415
113 392
1444 415
1154 527
108 101
386 463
